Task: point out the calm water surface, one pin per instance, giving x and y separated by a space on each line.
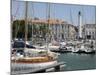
76 61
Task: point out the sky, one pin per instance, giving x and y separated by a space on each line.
66 12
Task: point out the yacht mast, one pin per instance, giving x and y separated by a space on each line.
48 19
48 16
26 22
32 19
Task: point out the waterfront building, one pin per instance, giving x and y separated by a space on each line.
89 31
72 33
59 29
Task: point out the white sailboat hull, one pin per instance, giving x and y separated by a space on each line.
31 65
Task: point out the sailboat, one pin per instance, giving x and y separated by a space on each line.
34 58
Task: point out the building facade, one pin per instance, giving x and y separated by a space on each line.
89 31
59 29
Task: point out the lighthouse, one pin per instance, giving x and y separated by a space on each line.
80 24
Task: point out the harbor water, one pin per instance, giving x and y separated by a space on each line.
75 61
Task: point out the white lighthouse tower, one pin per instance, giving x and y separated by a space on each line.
80 24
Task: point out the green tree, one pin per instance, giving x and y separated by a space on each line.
18 29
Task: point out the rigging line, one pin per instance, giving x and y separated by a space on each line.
17 28
71 18
33 9
48 15
54 11
83 17
48 11
13 17
17 10
33 18
54 19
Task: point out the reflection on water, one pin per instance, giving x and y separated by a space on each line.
76 61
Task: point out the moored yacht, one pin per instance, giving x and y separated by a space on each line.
26 55
33 58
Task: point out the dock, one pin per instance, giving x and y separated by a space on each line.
40 70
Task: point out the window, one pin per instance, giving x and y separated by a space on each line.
89 33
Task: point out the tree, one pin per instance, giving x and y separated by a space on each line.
18 29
